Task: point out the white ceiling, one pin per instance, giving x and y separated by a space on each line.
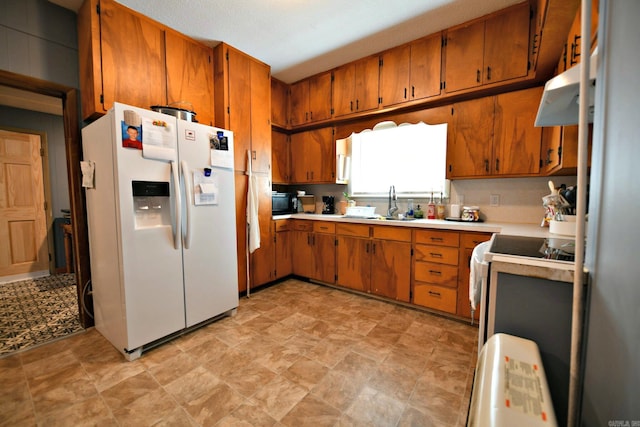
299 38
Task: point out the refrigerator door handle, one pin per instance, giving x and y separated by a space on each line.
178 206
187 195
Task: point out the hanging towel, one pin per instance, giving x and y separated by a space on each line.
475 277
252 209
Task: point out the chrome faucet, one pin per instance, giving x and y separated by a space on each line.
393 205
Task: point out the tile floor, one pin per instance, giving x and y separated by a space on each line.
296 354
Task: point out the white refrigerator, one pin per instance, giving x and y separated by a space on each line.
160 200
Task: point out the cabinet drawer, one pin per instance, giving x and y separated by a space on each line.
283 225
358 230
471 240
303 225
400 234
324 227
437 254
436 297
441 238
440 274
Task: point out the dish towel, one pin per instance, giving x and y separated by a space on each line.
252 209
475 276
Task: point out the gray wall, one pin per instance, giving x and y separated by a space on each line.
612 369
39 39
53 127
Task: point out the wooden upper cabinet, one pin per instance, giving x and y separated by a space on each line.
310 100
490 50
279 103
472 147
411 71
313 158
496 136
516 140
243 93
116 65
280 158
190 76
355 86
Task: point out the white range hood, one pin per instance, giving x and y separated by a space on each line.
559 104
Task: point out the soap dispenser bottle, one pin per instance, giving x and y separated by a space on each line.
418 213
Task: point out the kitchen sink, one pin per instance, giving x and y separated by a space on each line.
390 218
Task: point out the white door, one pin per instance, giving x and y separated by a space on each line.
209 243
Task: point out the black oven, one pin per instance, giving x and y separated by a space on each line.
281 203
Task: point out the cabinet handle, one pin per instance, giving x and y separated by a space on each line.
478 76
350 105
435 294
306 116
497 165
436 239
486 165
534 45
366 248
253 155
435 272
373 248
311 115
488 73
435 255
357 105
413 91
311 175
307 175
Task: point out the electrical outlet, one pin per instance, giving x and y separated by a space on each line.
494 200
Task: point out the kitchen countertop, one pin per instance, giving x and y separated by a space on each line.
513 229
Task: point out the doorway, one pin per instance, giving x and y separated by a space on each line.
73 153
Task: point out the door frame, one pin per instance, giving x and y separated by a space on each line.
73 149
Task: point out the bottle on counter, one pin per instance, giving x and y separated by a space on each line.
440 208
431 208
410 208
418 213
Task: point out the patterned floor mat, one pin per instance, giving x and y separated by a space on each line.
36 311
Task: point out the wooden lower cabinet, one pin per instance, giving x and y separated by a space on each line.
468 241
314 250
435 277
284 254
374 259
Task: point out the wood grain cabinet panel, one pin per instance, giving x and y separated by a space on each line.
310 100
190 76
489 50
507 144
313 156
355 87
280 157
412 71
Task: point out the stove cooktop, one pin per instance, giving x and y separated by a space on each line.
558 249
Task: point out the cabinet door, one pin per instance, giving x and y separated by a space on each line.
344 90
190 76
353 262
279 103
263 259
281 170
394 75
366 83
313 156
516 140
468 241
239 75
506 44
133 60
391 269
299 102
284 262
260 117
323 257
319 106
472 147
464 57
425 67
302 254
